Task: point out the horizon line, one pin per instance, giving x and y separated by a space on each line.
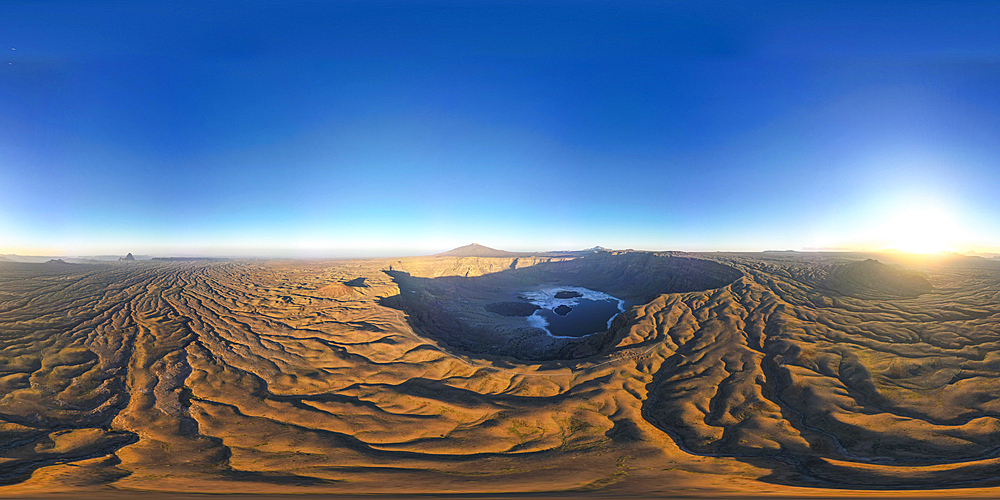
110 257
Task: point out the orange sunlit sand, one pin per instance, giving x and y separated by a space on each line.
790 374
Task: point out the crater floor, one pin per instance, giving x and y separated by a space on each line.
732 374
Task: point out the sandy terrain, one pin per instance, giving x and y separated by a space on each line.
732 375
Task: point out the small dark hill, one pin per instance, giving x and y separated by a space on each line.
128 257
871 278
357 282
345 289
56 261
477 250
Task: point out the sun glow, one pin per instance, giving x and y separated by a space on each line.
921 229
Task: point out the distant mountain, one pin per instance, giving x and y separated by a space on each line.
56 261
33 259
477 250
985 255
189 259
90 259
108 258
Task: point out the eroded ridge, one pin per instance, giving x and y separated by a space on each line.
294 377
875 389
189 376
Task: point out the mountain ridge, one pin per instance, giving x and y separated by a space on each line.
477 250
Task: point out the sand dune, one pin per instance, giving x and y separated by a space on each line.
730 374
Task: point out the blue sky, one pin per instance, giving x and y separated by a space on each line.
313 129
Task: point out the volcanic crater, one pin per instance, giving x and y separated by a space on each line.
487 314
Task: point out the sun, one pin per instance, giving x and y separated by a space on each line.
920 229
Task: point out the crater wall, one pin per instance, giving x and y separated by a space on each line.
471 313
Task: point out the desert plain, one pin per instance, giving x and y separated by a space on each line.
773 374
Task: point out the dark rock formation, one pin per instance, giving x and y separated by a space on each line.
357 282
562 310
126 258
566 294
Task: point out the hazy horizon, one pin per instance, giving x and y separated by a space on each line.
388 253
383 129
